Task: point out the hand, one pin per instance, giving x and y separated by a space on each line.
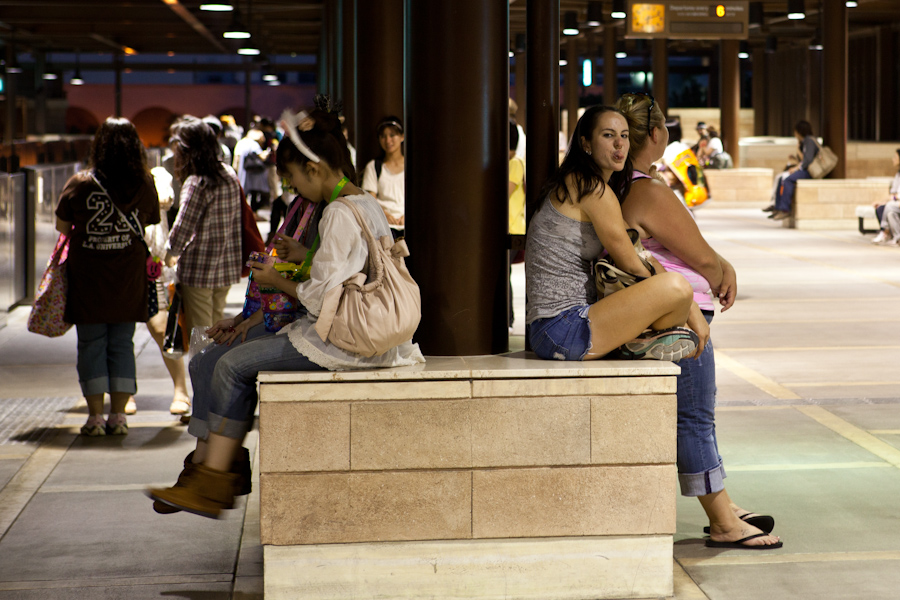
171 260
656 265
264 274
290 249
728 290
697 322
392 221
221 331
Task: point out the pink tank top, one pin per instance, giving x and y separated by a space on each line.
702 291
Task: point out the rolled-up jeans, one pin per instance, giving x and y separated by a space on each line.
700 470
224 381
786 196
105 362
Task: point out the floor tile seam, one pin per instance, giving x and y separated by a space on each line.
726 322
842 300
250 534
102 582
99 487
773 557
795 384
857 435
809 467
30 477
758 380
686 588
804 348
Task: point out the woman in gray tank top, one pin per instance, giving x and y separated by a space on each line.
579 218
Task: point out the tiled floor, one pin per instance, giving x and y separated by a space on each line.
808 424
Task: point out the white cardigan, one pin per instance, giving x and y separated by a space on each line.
342 253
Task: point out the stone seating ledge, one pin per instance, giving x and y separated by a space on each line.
470 477
832 203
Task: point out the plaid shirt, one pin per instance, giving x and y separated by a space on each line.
206 235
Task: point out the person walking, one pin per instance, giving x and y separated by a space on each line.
104 210
205 241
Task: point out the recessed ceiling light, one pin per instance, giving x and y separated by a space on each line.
249 51
217 7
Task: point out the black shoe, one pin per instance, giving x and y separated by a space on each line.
769 208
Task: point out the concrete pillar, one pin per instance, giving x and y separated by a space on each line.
834 33
730 107
117 68
660 68
457 167
760 93
542 156
348 66
573 85
610 68
379 72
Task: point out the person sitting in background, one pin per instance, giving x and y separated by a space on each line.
712 158
890 210
385 178
809 148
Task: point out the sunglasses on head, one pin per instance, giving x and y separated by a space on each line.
649 108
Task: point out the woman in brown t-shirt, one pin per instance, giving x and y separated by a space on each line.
107 272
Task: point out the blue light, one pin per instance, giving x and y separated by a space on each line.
587 72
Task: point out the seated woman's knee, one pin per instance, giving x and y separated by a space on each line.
677 286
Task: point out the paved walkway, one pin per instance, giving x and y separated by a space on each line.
809 428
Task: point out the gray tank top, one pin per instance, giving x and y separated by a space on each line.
558 256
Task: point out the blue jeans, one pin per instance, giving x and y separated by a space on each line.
105 361
567 336
224 380
700 469
786 194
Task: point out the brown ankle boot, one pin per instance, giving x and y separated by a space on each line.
166 509
204 492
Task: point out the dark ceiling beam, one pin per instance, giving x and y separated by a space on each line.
195 24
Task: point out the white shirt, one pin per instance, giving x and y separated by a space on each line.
520 147
390 189
244 147
342 253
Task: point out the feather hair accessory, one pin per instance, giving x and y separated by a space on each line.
294 122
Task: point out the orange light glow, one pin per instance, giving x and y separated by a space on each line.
720 11
129 51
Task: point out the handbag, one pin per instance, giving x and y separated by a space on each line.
279 309
610 279
48 310
824 162
370 315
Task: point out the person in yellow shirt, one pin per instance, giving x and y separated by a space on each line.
516 203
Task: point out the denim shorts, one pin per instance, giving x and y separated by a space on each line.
567 336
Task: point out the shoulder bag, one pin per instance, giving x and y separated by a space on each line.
369 315
49 306
824 162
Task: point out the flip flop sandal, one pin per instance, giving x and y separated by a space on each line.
740 545
762 522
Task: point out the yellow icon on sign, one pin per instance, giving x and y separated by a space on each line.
648 18
720 11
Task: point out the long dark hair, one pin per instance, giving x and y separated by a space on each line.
585 172
197 150
118 157
326 139
805 130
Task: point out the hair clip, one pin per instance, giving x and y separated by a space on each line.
294 122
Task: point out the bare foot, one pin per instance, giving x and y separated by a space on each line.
130 406
181 404
742 531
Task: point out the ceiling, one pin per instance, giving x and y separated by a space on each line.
283 27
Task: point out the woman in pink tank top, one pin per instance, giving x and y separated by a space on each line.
668 230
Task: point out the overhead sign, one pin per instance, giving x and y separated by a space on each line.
688 19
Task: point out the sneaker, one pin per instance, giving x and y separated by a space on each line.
880 238
779 215
94 427
673 344
116 424
769 208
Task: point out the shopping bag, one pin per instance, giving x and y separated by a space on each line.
174 341
49 306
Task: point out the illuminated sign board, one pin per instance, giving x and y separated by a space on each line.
688 19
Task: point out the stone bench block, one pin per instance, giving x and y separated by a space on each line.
738 187
334 508
831 203
585 568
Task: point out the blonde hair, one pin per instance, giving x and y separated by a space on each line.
635 107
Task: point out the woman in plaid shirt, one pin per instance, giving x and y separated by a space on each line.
205 240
